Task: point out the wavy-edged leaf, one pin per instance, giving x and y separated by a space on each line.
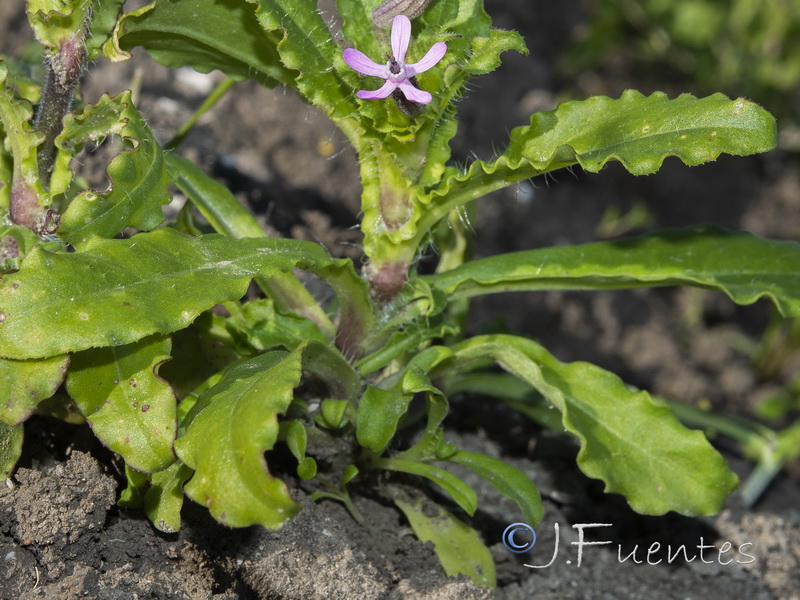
638 131
56 21
129 407
138 177
116 292
460 492
458 546
25 383
236 421
742 265
629 441
205 35
508 480
307 48
10 448
27 195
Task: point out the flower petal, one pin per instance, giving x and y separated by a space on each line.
362 63
401 35
414 94
434 55
382 92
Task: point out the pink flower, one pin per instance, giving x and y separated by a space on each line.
396 72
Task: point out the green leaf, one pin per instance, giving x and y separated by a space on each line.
306 46
116 292
164 499
27 193
103 20
380 411
132 496
460 492
15 243
508 480
160 494
215 202
56 21
333 414
515 393
638 131
138 176
189 33
129 407
25 383
235 422
459 547
10 448
226 215
297 440
629 441
197 351
378 415
744 266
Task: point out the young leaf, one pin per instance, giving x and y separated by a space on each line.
297 440
378 415
189 33
10 448
458 546
508 480
138 179
632 443
235 422
164 499
744 266
116 292
25 383
129 407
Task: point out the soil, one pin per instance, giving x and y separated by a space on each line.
61 535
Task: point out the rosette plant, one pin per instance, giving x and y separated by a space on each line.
141 328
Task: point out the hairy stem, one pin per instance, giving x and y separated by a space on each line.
64 69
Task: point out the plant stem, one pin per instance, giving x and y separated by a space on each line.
64 69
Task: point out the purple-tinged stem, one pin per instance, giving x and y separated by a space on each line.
64 69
